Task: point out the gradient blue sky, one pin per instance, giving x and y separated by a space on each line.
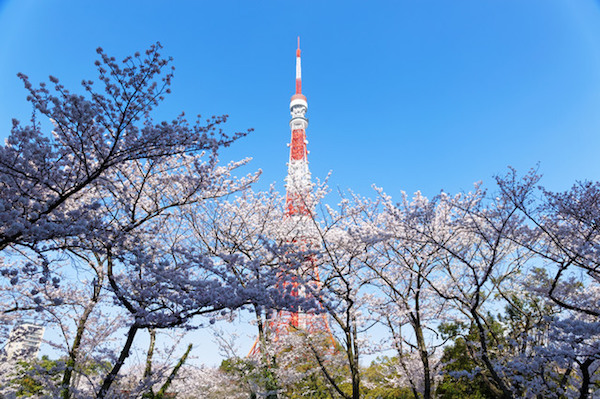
409 95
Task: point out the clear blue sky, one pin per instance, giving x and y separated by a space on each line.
409 95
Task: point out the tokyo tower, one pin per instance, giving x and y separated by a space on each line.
297 208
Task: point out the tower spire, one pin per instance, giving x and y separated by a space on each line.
298 70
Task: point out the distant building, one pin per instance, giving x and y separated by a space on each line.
24 342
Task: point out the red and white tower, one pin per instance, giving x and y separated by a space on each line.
299 213
298 184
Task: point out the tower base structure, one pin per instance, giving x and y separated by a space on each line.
285 325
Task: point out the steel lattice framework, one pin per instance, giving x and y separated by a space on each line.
297 207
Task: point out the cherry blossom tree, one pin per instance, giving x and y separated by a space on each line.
480 258
42 176
448 260
342 255
107 198
252 228
564 234
406 264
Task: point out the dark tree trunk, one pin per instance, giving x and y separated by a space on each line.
81 325
584 391
110 378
